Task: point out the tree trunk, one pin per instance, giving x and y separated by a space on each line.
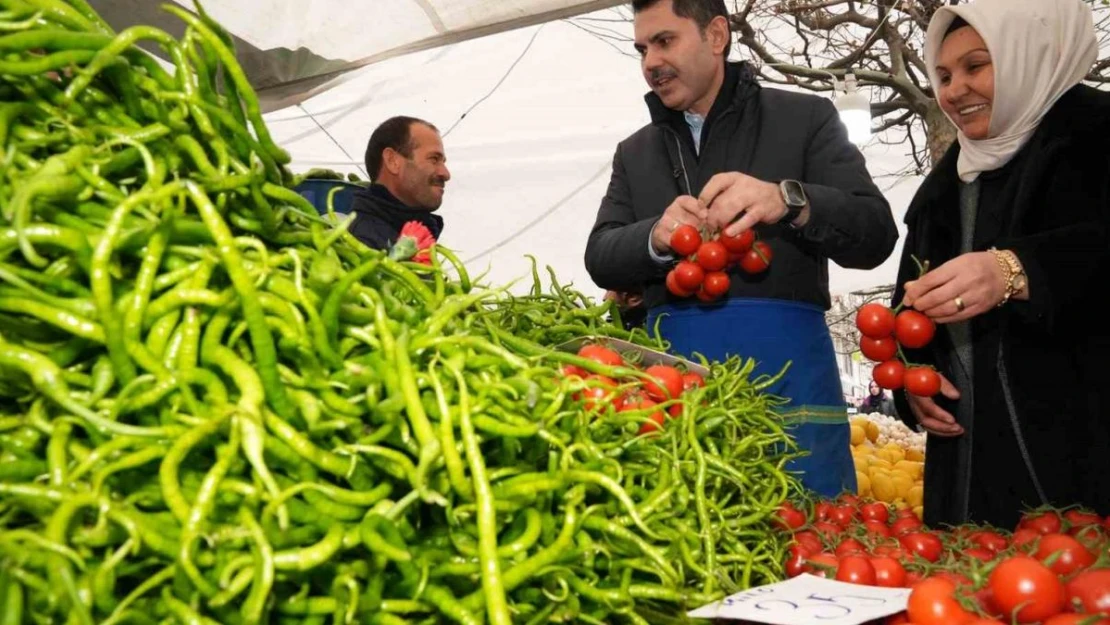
939 131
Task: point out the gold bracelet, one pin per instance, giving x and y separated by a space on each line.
1010 267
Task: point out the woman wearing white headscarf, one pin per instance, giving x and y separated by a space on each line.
1013 221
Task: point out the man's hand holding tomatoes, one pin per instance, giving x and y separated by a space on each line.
737 202
685 209
933 418
974 280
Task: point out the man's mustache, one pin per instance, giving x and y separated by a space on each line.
662 74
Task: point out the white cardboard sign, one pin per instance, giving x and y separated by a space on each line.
807 600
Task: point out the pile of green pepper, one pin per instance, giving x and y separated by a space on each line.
218 407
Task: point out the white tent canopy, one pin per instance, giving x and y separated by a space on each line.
530 120
294 49
530 115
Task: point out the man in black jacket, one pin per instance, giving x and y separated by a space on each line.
408 170
722 153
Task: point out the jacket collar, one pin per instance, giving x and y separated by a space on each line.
376 201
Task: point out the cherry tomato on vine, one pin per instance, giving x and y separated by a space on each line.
913 329
889 375
875 321
685 240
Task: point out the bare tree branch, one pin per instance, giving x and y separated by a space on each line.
806 43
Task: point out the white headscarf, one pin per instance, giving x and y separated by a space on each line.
1039 49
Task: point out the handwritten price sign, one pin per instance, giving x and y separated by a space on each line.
806 600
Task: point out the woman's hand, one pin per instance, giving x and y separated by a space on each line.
968 285
933 418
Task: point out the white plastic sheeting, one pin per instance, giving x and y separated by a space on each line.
292 49
531 118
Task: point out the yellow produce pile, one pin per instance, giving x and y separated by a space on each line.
889 465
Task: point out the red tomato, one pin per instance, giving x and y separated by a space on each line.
875 511
823 564
809 542
913 329
1043 523
855 569
875 321
933 602
992 541
985 621
796 562
984 599
877 528
1081 518
1025 539
757 259
827 529
959 579
921 381
665 382
739 243
572 371
889 572
655 419
601 354
979 553
843 515
850 499
1091 536
889 375
673 288
688 276
1069 554
890 551
905 525
1024 585
924 544
704 296
712 256
691 380
849 547
789 517
822 510
716 283
601 391
878 350
1090 591
685 240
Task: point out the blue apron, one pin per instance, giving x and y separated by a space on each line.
773 332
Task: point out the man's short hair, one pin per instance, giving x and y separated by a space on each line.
396 133
701 11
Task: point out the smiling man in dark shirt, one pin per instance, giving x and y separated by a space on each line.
408 170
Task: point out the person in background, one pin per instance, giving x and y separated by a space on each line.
408 169
723 153
1014 222
877 400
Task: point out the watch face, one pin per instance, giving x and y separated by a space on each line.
1019 282
793 193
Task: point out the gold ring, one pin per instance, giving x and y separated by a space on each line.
959 304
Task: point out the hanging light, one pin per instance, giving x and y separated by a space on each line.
854 109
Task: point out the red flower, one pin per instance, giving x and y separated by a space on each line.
413 243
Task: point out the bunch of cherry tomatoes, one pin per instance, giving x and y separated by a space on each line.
1054 569
702 270
656 396
883 334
